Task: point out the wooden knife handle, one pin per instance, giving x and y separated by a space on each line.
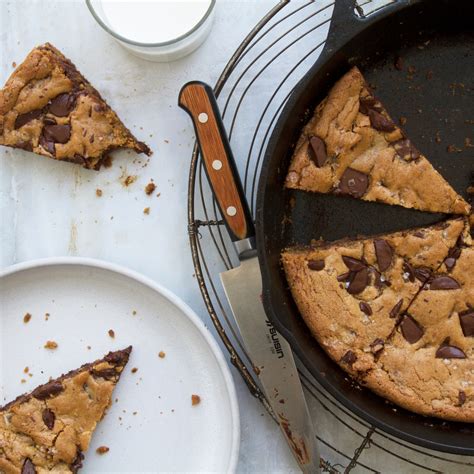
197 98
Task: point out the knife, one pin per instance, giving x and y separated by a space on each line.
269 351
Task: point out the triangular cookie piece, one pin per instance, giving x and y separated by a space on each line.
49 108
427 365
352 147
351 292
49 429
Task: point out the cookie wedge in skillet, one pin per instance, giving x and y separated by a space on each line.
49 429
49 108
353 293
352 147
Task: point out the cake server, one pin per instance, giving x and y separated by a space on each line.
270 353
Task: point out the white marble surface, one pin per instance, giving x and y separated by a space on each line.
51 209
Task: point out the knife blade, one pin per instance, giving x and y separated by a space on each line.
269 351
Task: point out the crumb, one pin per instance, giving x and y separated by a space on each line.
89 348
13 64
134 370
98 192
411 70
146 211
158 195
134 413
102 450
150 188
134 312
26 318
166 141
429 75
453 149
195 400
26 370
468 143
23 381
438 137
51 345
128 180
161 355
398 63
402 120
46 316
111 333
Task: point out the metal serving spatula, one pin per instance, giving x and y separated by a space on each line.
269 351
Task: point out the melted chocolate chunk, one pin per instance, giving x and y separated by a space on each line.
353 183
411 330
349 358
107 374
445 351
406 150
48 418
118 357
365 308
396 309
48 390
23 119
380 122
384 254
77 463
352 263
49 121
377 346
47 144
28 467
359 282
450 262
410 271
462 397
317 151
62 105
466 319
316 265
444 283
57 133
344 276
368 103
422 274
24 145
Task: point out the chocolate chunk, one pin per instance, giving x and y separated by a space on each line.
62 105
406 150
368 103
466 319
377 346
365 308
411 330
359 282
77 463
352 263
422 274
380 122
317 151
396 309
353 183
24 145
455 252
410 271
48 145
57 133
445 351
48 390
444 283
420 234
23 119
384 254
48 418
118 357
316 265
450 262
49 121
107 374
349 358
462 397
28 467
345 276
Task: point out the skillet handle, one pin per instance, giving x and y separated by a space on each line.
198 100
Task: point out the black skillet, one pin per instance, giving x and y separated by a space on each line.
434 92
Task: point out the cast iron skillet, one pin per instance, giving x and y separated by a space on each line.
436 38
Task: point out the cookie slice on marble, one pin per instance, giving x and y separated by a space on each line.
351 293
352 147
49 108
49 429
427 365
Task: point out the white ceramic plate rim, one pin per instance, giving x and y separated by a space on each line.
181 305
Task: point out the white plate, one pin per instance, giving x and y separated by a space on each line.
85 298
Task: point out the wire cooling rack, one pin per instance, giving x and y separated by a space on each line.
252 90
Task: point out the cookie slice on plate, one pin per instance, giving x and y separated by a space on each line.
49 429
427 365
351 293
352 147
49 108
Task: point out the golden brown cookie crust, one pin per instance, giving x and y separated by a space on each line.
52 426
49 108
352 136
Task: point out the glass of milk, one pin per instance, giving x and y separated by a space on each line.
156 30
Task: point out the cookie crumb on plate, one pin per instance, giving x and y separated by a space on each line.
195 400
26 318
51 345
